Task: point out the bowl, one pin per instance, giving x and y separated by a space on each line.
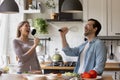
36 77
51 76
13 77
66 77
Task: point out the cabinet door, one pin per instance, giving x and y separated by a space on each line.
113 17
96 9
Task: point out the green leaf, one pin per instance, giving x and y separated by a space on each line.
40 25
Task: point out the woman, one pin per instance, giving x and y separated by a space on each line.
25 49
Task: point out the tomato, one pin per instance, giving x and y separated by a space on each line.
89 74
93 73
82 75
85 75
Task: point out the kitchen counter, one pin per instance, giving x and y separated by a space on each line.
107 78
19 77
108 67
112 67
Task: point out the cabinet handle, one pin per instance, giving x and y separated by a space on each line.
117 33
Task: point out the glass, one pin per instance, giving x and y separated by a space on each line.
1 61
54 16
117 75
13 68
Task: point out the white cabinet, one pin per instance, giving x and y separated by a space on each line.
96 9
105 11
114 17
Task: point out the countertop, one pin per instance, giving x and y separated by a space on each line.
108 67
112 67
19 77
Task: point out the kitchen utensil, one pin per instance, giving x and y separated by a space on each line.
33 32
111 54
73 29
57 57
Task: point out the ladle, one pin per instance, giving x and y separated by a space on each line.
33 32
111 54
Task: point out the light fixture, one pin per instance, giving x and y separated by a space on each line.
71 6
9 7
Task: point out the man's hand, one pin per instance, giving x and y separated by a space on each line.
64 31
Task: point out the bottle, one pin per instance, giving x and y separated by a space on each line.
39 6
56 51
34 3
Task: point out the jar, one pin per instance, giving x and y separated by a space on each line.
54 16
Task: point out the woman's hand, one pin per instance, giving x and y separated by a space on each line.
36 41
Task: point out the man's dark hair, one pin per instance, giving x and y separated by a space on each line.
96 25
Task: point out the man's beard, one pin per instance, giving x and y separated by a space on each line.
86 34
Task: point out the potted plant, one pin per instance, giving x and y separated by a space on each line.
50 4
41 26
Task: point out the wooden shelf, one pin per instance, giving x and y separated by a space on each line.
63 20
31 11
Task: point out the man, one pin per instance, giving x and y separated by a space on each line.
92 54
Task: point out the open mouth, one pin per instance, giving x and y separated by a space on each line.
27 31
